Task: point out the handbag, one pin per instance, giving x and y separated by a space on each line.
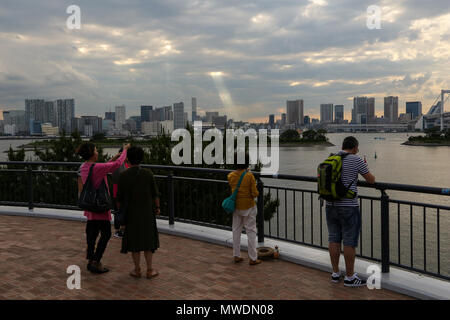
121 214
93 199
229 204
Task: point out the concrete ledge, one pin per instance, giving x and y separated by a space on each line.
398 280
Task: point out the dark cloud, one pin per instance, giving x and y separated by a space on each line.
159 52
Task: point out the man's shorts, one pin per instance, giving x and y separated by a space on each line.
344 224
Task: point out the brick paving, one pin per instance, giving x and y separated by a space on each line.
35 253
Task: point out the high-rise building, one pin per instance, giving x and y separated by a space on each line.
130 125
50 113
414 108
363 108
120 117
178 115
271 120
210 115
160 114
138 121
338 113
306 120
110 116
391 109
35 128
65 109
34 110
94 122
220 122
15 119
194 109
294 111
283 119
326 113
146 113
370 110
78 125
107 125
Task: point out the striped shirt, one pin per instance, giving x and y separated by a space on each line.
352 165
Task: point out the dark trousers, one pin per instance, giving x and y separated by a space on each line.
93 228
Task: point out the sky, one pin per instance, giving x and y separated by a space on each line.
241 58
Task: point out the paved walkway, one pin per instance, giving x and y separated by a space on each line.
35 252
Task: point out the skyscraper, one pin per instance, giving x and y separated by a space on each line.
414 108
363 110
138 121
326 113
120 116
146 113
271 120
283 119
110 116
338 113
307 120
65 109
93 122
391 108
15 118
370 110
210 115
178 116
294 111
194 109
50 113
34 111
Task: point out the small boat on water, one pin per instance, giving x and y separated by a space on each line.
380 138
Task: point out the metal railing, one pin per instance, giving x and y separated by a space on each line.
406 234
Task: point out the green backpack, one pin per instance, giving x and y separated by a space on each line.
329 183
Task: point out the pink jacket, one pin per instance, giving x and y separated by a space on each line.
99 173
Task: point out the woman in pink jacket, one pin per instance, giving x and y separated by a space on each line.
98 222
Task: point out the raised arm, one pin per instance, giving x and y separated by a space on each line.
109 167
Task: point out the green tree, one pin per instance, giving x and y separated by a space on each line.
96 137
447 134
433 133
18 155
290 136
309 134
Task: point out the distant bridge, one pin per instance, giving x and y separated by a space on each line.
353 127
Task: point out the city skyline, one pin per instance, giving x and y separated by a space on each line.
242 59
136 111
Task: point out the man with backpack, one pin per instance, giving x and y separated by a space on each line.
337 184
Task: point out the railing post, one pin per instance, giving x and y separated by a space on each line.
260 215
30 188
385 256
170 199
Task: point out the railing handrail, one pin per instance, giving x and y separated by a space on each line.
382 186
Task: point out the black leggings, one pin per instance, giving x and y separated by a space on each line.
93 227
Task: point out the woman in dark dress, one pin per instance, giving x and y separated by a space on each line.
137 191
